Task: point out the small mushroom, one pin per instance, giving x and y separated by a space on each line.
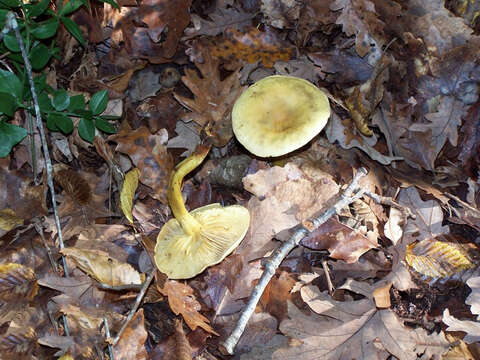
279 114
192 241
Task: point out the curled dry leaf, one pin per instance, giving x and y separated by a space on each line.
381 296
102 267
128 193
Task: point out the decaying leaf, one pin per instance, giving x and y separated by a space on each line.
99 265
128 193
74 185
182 346
182 301
214 98
474 298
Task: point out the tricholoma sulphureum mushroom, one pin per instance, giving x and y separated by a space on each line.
279 114
192 241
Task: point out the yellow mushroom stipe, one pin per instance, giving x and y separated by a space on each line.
175 200
192 241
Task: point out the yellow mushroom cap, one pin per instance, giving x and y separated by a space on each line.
182 256
279 114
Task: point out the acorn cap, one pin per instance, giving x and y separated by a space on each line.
182 256
279 114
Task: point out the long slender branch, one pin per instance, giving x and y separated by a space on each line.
12 24
352 193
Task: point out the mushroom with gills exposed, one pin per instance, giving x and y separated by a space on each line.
193 241
278 115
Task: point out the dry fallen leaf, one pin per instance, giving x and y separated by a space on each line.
213 100
128 193
132 342
182 301
99 265
339 327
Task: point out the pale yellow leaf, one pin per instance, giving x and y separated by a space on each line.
102 267
128 192
8 219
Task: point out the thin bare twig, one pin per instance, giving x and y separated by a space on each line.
11 22
331 288
352 193
107 335
138 301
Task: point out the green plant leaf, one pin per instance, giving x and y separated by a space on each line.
3 17
8 104
86 129
63 122
10 135
10 84
73 29
37 9
60 100
11 43
98 102
87 114
77 102
44 102
105 126
45 29
10 4
111 2
111 117
70 7
40 56
51 123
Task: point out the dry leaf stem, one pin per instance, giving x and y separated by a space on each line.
352 193
138 301
12 24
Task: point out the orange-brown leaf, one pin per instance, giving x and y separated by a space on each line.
251 46
74 185
131 345
182 301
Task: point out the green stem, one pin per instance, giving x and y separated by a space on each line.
175 200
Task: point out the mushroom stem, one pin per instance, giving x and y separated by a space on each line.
175 200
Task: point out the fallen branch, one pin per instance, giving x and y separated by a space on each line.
11 23
352 193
